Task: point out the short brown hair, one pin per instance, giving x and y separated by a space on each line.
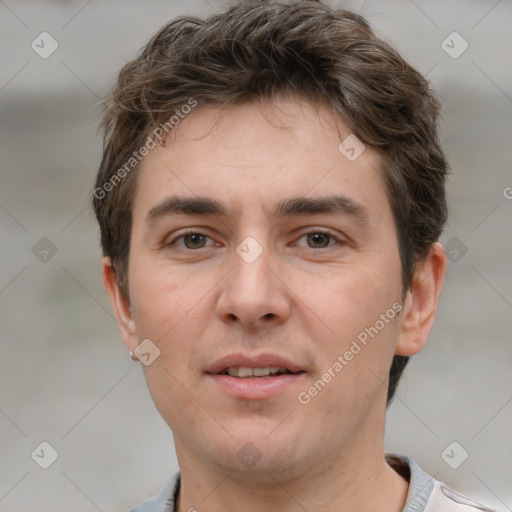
253 51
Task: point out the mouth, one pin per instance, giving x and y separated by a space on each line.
245 372
252 378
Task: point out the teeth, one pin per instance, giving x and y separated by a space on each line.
244 372
260 372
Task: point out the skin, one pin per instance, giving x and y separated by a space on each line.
303 298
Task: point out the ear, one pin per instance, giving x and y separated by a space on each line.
121 305
421 302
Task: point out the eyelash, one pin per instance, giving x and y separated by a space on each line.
183 235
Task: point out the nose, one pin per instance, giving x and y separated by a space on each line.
252 292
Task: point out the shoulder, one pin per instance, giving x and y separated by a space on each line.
445 500
164 500
426 494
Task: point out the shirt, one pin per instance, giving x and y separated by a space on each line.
425 493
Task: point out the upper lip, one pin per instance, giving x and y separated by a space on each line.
256 361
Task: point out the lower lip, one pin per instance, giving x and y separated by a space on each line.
256 387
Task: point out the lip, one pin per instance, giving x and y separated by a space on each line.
257 361
254 388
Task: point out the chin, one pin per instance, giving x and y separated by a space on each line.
265 471
257 455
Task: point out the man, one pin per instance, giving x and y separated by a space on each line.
270 200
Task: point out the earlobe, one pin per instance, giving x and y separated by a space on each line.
121 305
421 302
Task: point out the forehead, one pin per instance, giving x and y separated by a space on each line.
253 155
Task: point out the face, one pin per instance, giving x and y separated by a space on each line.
257 246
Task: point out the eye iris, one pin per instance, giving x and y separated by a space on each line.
197 240
318 239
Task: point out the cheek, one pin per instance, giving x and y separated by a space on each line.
350 303
171 395
353 299
161 302
171 312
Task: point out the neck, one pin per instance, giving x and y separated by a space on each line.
353 481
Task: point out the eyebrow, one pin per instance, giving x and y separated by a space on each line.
295 206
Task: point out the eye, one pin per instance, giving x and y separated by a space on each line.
194 240
191 241
319 239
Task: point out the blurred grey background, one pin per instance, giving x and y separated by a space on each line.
65 376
